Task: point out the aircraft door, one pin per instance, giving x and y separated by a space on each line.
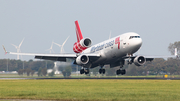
124 43
113 51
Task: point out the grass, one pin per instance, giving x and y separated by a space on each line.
90 90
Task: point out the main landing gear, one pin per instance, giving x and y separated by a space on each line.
101 70
86 71
121 71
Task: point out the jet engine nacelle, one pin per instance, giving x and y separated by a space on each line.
139 60
82 60
82 45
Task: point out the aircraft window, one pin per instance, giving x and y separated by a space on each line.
134 37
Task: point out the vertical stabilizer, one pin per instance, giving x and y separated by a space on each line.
78 32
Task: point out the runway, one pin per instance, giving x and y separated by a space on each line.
125 78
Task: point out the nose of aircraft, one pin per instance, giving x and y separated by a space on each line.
139 42
136 44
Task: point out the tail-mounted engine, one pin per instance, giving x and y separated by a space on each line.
82 60
139 60
82 45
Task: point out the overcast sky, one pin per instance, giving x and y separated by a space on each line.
42 21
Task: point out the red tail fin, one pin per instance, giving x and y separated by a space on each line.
78 32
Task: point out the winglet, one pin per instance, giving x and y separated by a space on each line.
4 49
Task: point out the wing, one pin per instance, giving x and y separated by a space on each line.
55 57
153 57
63 57
150 58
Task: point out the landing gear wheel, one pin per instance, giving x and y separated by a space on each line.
118 72
103 71
86 71
100 71
122 72
82 71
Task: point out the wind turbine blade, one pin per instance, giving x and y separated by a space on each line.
51 45
62 48
15 46
50 49
65 41
57 44
21 43
47 49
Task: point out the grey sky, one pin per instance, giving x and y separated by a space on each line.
41 21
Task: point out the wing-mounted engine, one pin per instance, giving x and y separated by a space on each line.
82 60
82 45
139 60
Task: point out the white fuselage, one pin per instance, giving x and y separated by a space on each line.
116 48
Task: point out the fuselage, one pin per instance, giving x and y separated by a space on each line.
115 49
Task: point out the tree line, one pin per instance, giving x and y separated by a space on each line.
15 65
28 67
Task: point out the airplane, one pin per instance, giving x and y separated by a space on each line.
113 52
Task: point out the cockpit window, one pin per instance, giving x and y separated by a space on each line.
134 37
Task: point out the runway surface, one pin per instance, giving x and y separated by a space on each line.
135 78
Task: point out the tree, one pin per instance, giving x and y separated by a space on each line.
40 72
44 71
95 71
20 72
67 71
32 72
51 74
174 45
28 71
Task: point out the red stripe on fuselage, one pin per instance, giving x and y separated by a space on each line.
117 41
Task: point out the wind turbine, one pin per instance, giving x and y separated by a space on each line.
62 49
56 64
50 49
18 48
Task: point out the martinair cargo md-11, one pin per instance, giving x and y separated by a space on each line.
111 52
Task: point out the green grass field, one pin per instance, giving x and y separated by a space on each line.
85 90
